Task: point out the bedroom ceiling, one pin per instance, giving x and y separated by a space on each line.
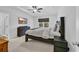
47 10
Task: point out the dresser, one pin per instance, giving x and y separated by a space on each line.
3 45
21 30
60 45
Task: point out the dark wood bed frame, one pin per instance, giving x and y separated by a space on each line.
38 38
62 32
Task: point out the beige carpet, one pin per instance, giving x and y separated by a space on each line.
19 45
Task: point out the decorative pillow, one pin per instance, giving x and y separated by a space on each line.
55 27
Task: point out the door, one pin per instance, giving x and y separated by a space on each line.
1 25
4 24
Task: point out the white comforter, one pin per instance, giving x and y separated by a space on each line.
43 32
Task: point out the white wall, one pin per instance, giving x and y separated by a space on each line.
35 21
70 24
52 21
14 14
77 23
77 26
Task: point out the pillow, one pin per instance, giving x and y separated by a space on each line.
57 27
34 28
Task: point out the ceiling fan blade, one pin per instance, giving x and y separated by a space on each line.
40 8
34 7
39 11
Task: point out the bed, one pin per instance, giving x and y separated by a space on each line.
44 34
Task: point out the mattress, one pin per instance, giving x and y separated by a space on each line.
42 32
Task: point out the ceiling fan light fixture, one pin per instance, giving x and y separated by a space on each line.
35 10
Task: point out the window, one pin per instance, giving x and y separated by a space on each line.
44 22
40 24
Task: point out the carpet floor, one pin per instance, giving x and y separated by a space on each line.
19 45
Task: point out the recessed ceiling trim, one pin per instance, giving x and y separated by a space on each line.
25 10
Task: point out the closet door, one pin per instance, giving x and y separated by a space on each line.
6 25
1 25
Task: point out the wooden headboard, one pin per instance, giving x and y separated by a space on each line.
62 27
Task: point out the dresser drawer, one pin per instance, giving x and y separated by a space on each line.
1 49
4 47
60 44
59 49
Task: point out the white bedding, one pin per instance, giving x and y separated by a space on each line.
43 32
35 32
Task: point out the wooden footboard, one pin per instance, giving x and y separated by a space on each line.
38 38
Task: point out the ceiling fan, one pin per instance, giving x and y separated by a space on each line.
36 9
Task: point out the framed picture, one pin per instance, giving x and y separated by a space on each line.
22 20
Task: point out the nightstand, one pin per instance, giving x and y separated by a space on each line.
60 45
